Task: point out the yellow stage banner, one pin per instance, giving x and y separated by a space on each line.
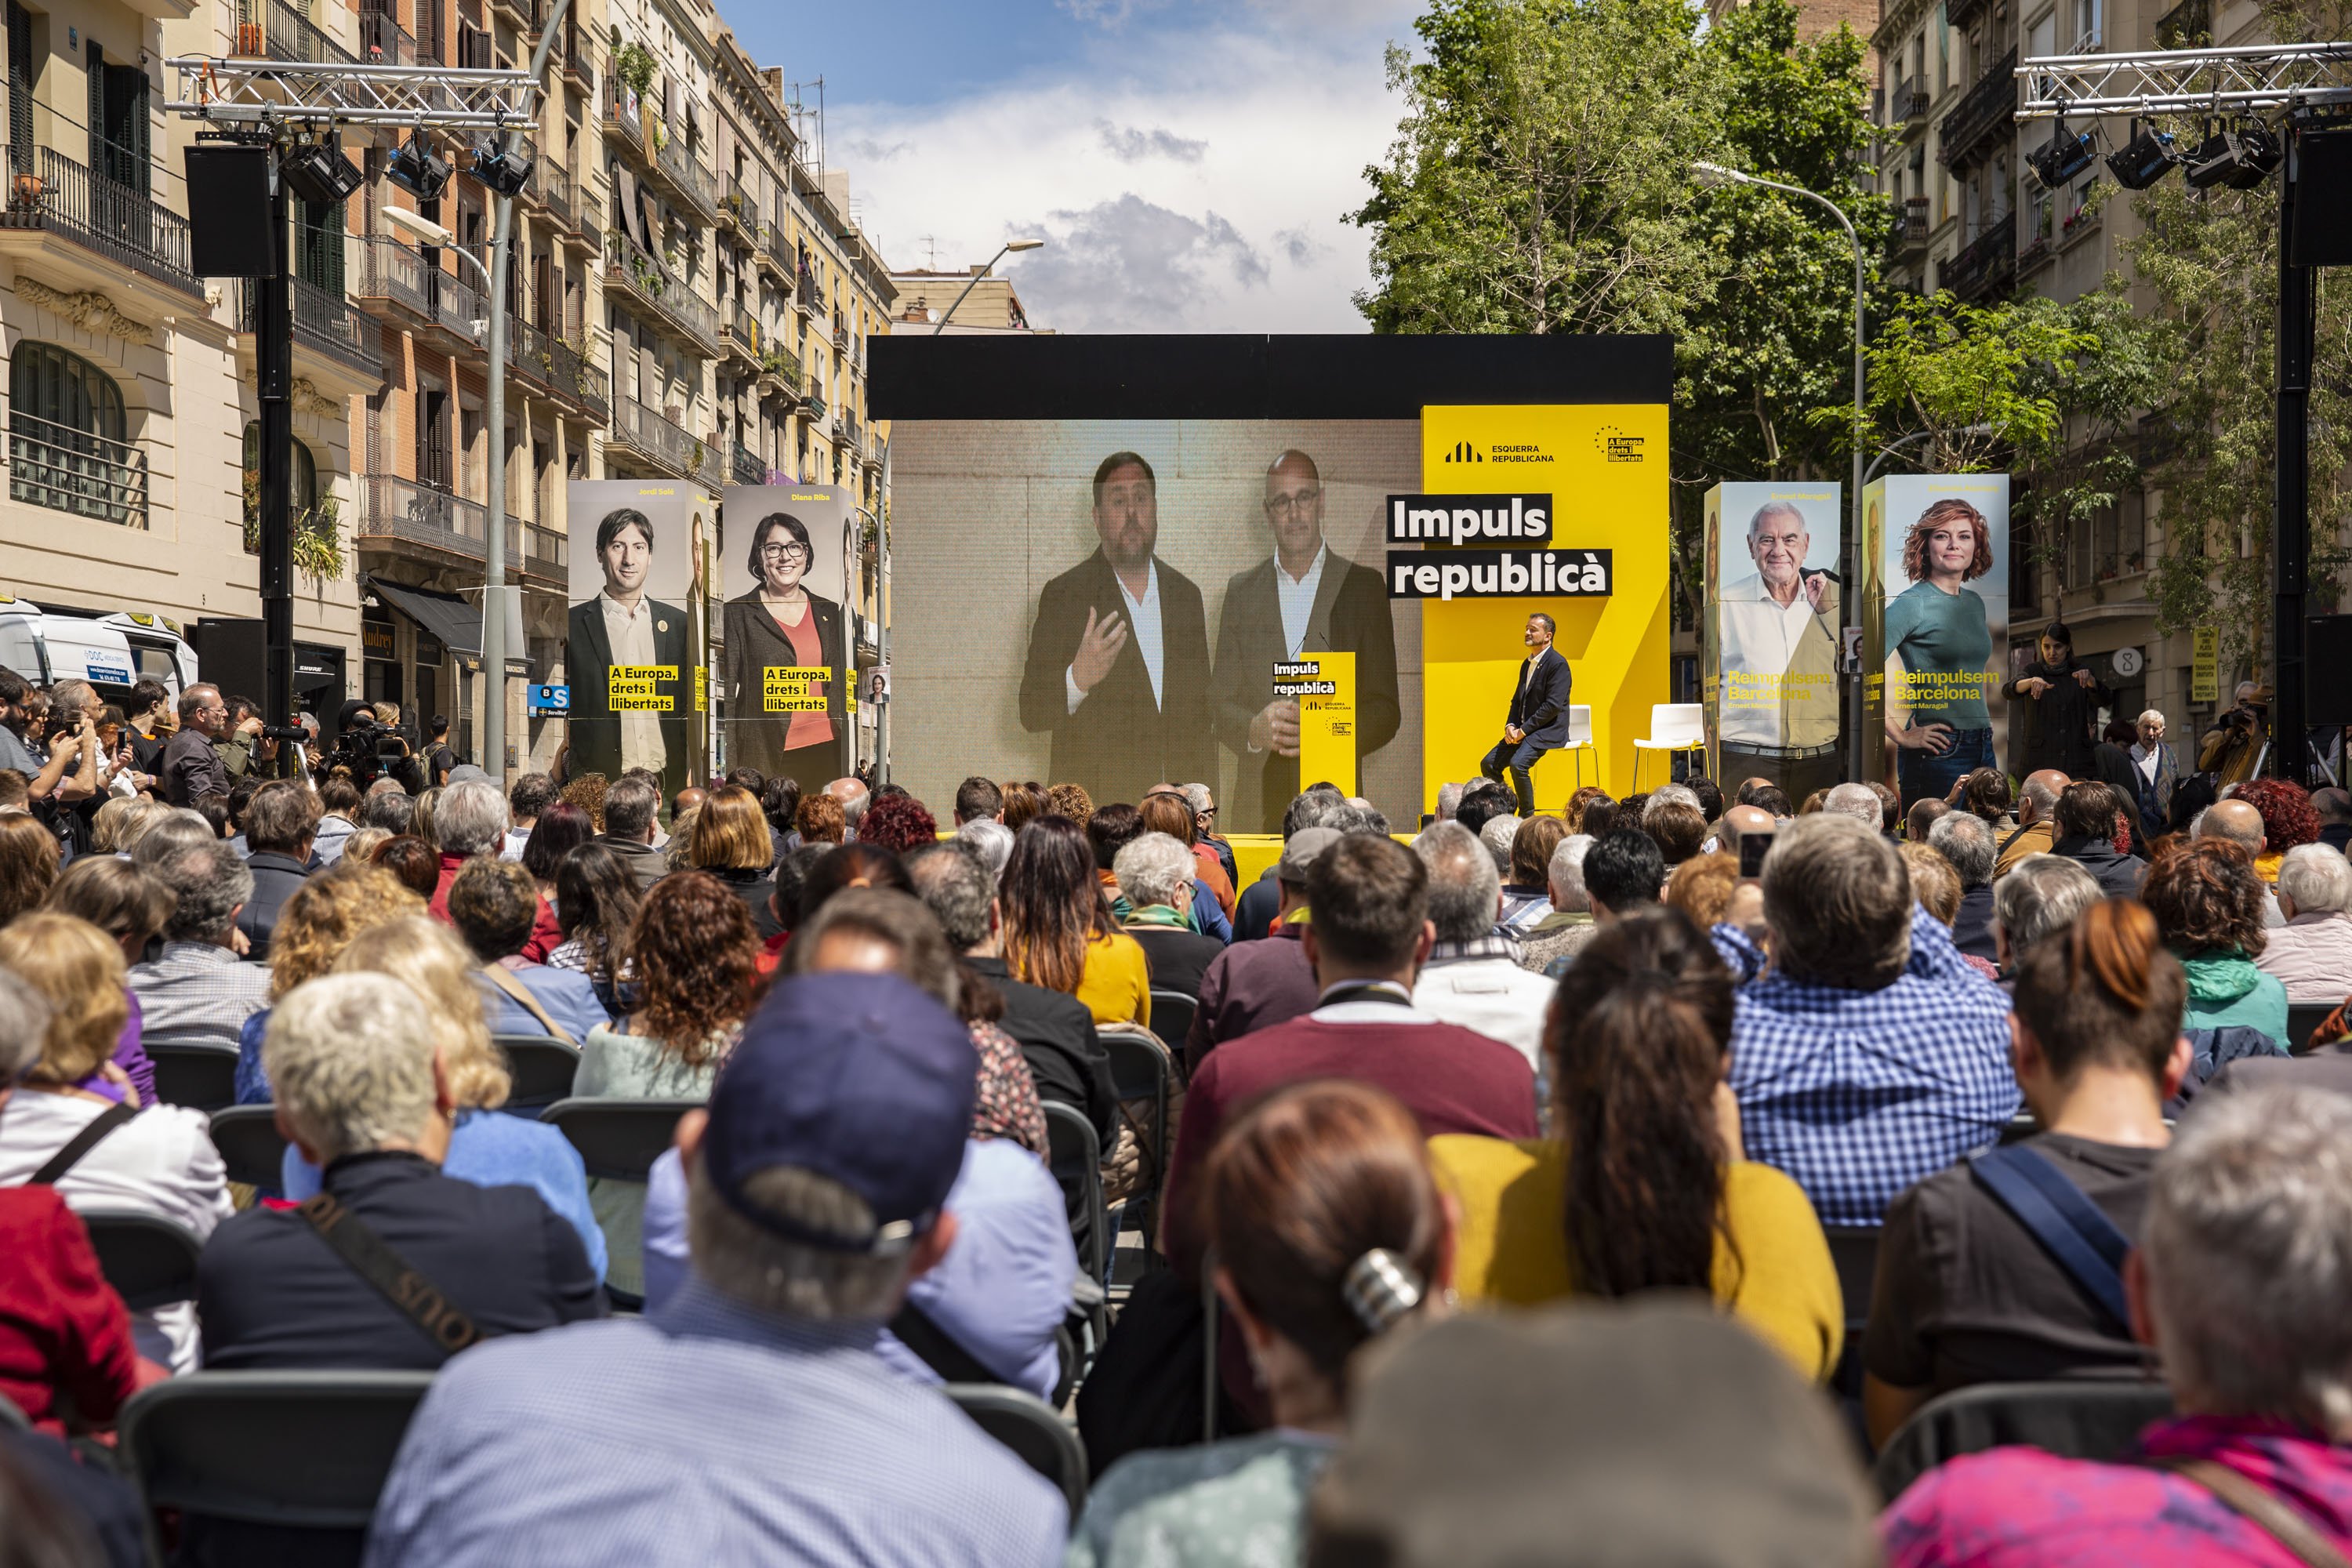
1324 686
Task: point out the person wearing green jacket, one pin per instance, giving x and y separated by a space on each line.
2207 902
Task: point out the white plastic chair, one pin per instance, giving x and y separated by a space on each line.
1579 739
1674 727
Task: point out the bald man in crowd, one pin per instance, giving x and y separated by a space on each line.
2238 822
1303 598
2037 801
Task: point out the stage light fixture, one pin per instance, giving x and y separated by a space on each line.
2144 160
417 169
319 172
2067 155
2240 158
505 175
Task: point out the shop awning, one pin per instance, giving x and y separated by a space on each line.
457 623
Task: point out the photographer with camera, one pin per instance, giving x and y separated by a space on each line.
2235 745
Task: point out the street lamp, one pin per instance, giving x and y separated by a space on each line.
1715 175
424 231
1009 245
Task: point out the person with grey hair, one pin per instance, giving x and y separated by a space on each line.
281 825
993 842
1857 801
195 992
630 807
1870 1054
1203 802
1499 834
363 1091
2036 829
1965 840
1562 933
2311 955
1449 798
1155 873
2238 1287
817 1191
2042 896
1473 975
1261 903
1670 795
173 828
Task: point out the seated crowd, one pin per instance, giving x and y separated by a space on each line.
1577 1189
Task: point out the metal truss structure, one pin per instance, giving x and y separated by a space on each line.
240 90
2245 81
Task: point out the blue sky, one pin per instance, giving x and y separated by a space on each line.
1187 161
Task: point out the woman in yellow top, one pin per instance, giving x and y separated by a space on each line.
1059 932
1643 1187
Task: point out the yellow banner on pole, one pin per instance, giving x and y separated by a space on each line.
1324 686
2205 665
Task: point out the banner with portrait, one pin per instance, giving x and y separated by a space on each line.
636 640
1943 557
1769 633
787 644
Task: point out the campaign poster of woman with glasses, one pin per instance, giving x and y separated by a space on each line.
784 675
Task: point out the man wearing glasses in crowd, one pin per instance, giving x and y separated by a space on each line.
192 768
1304 598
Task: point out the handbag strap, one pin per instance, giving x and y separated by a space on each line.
2265 1510
82 1142
2070 1227
373 1261
505 980
921 1333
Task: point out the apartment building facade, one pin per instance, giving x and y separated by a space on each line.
1972 219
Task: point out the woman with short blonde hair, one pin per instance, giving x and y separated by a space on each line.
731 839
158 1159
486 1148
319 922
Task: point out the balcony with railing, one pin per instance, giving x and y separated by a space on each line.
391 284
660 443
322 323
840 331
744 466
735 208
742 336
775 252
1909 237
66 469
622 121
629 268
562 368
1909 104
49 193
805 297
780 370
694 185
457 305
289 34
1986 265
1984 115
392 507
384 41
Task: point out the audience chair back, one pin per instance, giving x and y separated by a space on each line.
2302 1020
618 1140
2076 1420
1074 1156
1026 1425
151 1261
299 1450
199 1074
1171 1015
542 1068
1143 1077
250 1144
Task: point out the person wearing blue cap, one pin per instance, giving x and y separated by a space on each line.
749 1418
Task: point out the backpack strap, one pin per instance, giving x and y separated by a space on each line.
81 1144
2083 1241
372 1257
921 1333
2257 1505
500 976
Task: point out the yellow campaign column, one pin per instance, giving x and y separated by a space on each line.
1325 686
1605 466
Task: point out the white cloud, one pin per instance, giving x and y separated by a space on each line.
1235 224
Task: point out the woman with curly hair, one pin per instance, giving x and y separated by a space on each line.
1059 931
2209 904
325 916
1023 802
1938 643
2288 816
28 863
694 960
898 821
819 819
1071 800
1983 795
488 1150
587 792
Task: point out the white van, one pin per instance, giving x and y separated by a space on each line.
110 651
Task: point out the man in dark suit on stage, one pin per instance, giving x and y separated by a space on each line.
1538 719
1304 597
1118 655
622 626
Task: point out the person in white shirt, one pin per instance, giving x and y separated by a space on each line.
1779 659
1472 976
623 626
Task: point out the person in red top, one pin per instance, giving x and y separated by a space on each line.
2239 1283
1369 934
471 820
66 1355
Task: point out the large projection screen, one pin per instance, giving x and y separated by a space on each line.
1224 498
